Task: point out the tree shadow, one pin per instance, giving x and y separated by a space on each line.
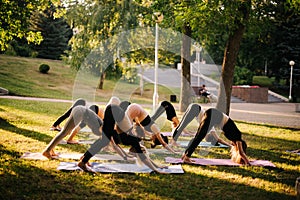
5 125
21 180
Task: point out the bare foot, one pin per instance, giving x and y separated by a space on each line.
72 142
49 155
53 128
52 153
85 168
188 160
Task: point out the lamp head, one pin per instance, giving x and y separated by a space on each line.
158 17
292 63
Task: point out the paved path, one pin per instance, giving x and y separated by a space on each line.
278 114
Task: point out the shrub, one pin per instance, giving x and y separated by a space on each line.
242 76
44 68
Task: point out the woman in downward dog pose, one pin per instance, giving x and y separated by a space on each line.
138 115
194 111
117 127
167 107
79 115
215 118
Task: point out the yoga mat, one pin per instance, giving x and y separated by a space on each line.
86 129
169 134
202 144
294 151
75 156
79 142
223 162
118 168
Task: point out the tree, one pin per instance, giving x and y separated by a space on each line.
14 21
55 31
96 23
207 19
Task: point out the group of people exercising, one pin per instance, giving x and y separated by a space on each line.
123 122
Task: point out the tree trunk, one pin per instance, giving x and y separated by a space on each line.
101 81
230 57
185 93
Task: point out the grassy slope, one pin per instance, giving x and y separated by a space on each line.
21 77
24 127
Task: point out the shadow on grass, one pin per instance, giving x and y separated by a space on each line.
5 125
192 186
21 180
268 125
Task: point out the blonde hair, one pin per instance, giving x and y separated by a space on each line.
235 155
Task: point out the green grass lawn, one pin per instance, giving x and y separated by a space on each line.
21 77
24 126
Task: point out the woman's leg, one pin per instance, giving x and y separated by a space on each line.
211 118
76 116
107 131
78 102
191 112
167 107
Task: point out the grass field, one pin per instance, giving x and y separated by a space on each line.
24 126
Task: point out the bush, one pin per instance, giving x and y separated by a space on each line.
242 76
44 68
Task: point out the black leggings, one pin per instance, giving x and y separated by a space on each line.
113 114
167 107
213 117
191 112
81 102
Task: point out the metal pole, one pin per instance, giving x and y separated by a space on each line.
291 83
155 93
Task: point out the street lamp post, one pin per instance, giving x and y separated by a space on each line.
292 63
158 17
198 60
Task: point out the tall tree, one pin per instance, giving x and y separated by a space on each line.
14 20
55 31
97 22
207 19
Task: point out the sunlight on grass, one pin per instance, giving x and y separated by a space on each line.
250 181
25 127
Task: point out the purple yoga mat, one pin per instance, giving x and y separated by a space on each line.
224 162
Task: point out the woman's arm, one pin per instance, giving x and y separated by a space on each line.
163 143
118 149
242 153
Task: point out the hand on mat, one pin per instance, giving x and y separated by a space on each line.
57 128
163 167
174 143
161 171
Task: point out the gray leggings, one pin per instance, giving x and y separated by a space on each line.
78 114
